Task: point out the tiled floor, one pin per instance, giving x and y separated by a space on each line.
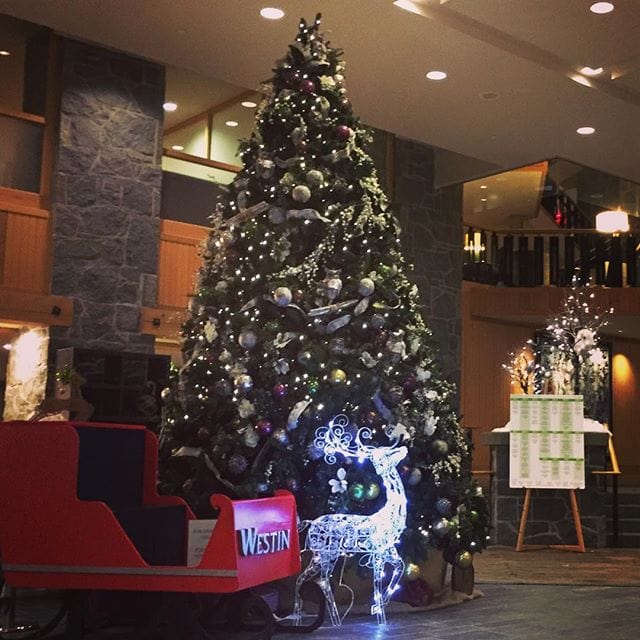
505 612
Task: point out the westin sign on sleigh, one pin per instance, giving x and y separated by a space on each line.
253 543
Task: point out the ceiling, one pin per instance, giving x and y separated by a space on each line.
509 99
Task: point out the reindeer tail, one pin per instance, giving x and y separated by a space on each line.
303 525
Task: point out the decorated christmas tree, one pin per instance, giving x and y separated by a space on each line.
303 312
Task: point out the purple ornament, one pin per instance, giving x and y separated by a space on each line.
279 391
237 464
264 427
343 132
307 86
411 383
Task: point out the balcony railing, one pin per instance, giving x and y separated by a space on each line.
530 258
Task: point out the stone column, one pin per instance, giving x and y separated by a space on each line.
431 224
106 202
26 373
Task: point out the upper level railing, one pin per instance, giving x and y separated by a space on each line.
531 258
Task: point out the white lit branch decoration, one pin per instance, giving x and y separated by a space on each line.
374 536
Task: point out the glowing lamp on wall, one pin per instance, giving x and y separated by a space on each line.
612 221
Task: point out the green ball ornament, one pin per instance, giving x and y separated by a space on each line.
337 376
357 491
373 491
440 447
464 559
474 515
313 385
411 571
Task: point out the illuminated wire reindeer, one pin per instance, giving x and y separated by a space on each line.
374 536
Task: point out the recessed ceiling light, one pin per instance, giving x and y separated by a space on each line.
169 106
272 13
483 186
602 7
436 75
585 131
248 104
4 52
483 199
590 71
231 123
177 147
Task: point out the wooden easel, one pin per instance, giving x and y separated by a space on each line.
521 546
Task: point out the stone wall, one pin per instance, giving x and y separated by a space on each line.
107 196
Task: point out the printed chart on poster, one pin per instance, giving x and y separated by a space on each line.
546 448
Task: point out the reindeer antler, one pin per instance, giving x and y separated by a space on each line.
335 438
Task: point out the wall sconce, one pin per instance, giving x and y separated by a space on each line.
612 221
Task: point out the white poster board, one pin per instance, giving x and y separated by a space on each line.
199 534
546 444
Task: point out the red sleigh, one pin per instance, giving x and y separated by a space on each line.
79 510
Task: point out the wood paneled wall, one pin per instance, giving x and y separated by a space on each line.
485 385
179 262
24 250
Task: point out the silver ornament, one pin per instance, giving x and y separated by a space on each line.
415 476
277 215
338 346
332 284
244 382
366 287
166 394
324 105
247 339
242 199
441 528
282 296
223 388
265 168
301 193
251 437
281 436
314 178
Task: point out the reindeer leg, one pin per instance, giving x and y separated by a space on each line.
397 563
311 570
377 607
325 584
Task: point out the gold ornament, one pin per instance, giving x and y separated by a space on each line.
411 571
337 376
373 491
464 559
